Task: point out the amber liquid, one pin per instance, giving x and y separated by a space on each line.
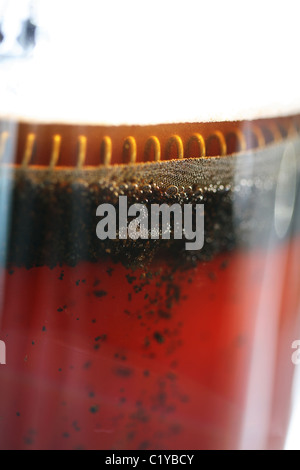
104 356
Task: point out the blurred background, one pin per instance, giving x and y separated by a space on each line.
150 62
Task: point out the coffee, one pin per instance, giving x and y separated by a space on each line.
122 343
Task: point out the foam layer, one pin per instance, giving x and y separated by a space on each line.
53 212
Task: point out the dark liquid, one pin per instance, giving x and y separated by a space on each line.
126 345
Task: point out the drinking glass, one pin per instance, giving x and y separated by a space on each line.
123 343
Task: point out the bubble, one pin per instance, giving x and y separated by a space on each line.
171 191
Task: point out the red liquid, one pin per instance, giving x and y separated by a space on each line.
102 357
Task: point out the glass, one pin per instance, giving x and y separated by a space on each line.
142 344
